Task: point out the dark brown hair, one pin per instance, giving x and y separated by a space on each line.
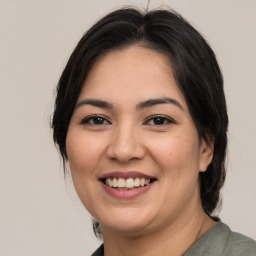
196 72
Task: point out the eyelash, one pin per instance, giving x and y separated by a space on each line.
164 119
103 120
94 118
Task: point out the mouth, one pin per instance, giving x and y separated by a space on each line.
126 180
127 183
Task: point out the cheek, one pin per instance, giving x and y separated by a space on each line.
83 152
173 152
177 158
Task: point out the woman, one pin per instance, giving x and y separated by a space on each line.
140 116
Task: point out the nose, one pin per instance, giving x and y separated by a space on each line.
125 145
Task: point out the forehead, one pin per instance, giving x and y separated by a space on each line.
132 73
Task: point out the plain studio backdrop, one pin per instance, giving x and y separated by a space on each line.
40 214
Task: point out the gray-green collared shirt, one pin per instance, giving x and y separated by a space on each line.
217 241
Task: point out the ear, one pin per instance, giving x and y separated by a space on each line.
206 153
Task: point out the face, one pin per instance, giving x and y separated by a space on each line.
133 148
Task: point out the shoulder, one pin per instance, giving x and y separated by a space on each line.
221 241
240 245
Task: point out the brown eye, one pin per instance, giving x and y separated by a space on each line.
95 120
159 120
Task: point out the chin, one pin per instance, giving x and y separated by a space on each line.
126 221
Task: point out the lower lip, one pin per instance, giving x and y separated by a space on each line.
126 194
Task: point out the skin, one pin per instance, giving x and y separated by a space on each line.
168 218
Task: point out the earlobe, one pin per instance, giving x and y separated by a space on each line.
206 154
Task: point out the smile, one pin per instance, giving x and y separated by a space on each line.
127 184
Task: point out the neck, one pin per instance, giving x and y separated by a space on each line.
174 239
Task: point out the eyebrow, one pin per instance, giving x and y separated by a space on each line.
142 105
95 103
153 102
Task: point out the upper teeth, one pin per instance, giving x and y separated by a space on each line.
127 183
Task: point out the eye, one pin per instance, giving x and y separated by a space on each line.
159 120
95 120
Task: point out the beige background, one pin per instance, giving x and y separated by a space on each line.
39 212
